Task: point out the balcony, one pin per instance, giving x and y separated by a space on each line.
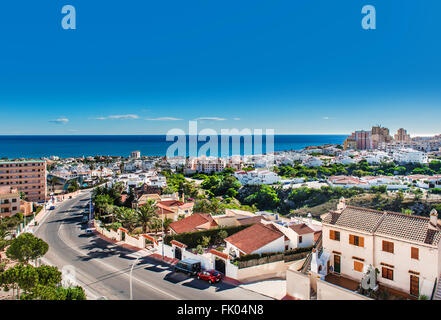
383 293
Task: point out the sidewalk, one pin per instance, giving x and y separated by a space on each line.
275 288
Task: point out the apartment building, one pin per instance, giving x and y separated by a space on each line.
405 249
206 164
410 156
9 201
28 177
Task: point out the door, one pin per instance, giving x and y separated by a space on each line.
414 286
219 265
178 253
337 264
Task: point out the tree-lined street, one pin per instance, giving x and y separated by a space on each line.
103 268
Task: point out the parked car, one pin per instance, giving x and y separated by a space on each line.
211 276
85 219
89 231
52 208
188 266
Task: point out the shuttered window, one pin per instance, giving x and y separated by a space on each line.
388 246
334 235
356 240
414 253
387 273
358 266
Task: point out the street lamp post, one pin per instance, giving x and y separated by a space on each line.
131 270
162 222
90 207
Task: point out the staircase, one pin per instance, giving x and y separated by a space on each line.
437 293
306 267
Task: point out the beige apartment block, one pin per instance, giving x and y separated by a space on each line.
28 177
9 201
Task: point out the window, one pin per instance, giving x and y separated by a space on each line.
414 286
414 253
356 240
388 246
334 235
300 239
358 266
387 273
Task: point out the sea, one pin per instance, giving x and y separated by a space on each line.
66 146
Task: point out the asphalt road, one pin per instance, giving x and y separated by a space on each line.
102 268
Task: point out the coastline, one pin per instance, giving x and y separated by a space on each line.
74 146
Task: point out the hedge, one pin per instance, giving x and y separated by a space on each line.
193 239
298 250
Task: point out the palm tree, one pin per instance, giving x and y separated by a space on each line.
127 217
53 181
146 214
167 223
156 224
101 201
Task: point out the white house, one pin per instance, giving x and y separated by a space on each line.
405 249
257 176
258 238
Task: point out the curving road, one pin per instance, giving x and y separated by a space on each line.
103 268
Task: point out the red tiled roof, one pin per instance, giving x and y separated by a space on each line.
178 244
254 237
301 228
220 254
191 223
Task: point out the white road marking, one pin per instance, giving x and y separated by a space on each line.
68 243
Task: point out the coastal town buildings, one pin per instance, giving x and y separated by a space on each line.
205 164
135 154
402 135
9 201
28 176
257 176
410 156
367 140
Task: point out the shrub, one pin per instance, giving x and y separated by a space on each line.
298 250
193 239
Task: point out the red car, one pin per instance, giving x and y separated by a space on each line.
211 276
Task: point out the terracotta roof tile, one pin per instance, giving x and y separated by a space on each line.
408 227
254 237
193 223
301 228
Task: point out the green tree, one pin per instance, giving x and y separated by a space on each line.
146 213
25 247
127 217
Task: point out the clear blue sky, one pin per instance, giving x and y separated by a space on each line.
294 66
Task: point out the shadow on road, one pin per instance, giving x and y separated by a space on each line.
175 278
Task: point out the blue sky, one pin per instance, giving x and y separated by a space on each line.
144 67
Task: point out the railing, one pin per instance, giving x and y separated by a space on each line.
434 288
307 263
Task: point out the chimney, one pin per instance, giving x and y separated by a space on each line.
433 218
341 205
